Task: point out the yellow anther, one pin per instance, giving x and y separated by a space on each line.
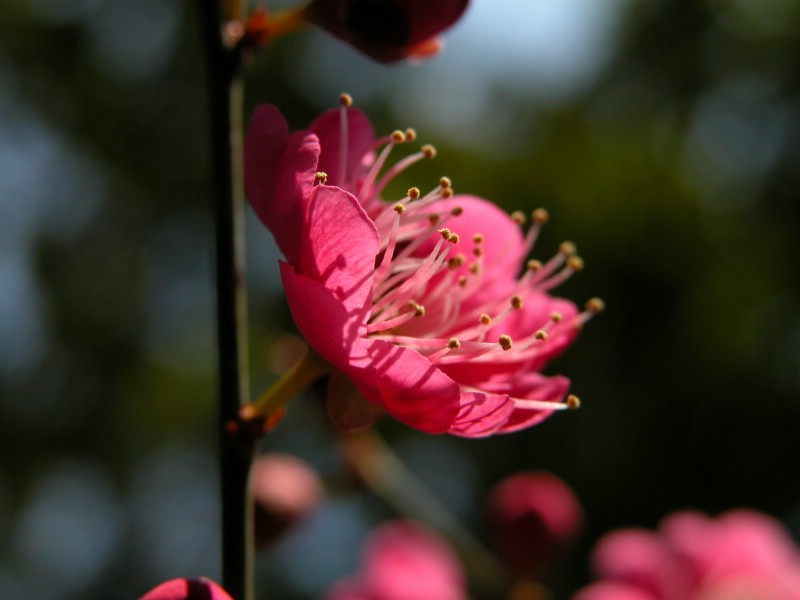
445 233
556 317
454 238
411 135
575 263
477 251
505 342
568 249
428 151
454 343
573 402
457 211
541 335
540 215
516 302
399 208
456 261
518 217
419 310
485 319
445 183
413 193
320 178
474 268
398 137
433 218
462 281
447 193
534 265
346 100
595 305
478 238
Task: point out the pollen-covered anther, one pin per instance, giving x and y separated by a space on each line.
419 310
445 233
454 238
399 208
540 216
516 302
346 100
505 342
447 193
445 183
410 135
398 137
485 319
568 249
456 261
454 343
474 268
457 211
518 217
573 402
428 151
462 281
534 266
575 263
477 251
541 335
320 178
413 193
478 238
433 218
595 305
556 317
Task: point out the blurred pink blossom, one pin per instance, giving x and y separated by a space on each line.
534 516
402 560
741 555
285 490
187 589
417 304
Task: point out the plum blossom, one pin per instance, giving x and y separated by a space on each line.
417 304
402 560
741 555
187 589
534 517
388 30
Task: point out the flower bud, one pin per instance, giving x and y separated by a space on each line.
187 589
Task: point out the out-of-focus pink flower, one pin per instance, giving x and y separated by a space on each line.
534 516
402 560
285 490
417 302
187 589
388 30
742 554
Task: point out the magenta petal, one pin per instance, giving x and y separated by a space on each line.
612 591
341 245
360 140
187 589
538 387
412 390
481 415
267 135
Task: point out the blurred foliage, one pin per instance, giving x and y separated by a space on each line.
675 166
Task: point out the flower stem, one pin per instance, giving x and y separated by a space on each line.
236 453
386 475
308 369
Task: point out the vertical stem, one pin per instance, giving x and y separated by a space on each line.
236 452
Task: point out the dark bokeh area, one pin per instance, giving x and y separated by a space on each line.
662 136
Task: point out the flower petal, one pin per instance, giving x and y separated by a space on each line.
411 389
360 139
267 136
187 589
481 415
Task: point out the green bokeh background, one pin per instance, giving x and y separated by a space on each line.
673 163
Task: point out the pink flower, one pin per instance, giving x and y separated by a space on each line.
388 30
742 554
285 490
187 589
403 561
417 302
534 517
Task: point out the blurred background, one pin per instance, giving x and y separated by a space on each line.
662 135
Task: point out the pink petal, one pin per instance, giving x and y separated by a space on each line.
539 387
607 590
360 140
187 589
267 136
340 247
411 389
481 415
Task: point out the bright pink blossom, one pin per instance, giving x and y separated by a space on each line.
534 517
187 589
741 555
388 30
403 561
417 302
